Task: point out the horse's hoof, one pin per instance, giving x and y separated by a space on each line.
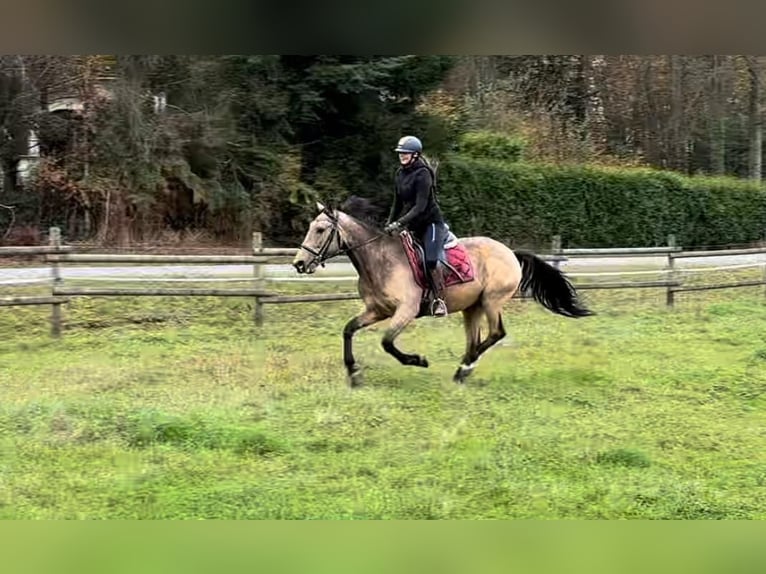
462 373
355 378
415 361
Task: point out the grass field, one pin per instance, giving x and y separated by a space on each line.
180 408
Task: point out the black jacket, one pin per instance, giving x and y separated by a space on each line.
414 193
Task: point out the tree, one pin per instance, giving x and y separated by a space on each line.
230 143
755 118
15 113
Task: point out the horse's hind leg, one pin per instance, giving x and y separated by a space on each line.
493 310
472 325
403 317
496 330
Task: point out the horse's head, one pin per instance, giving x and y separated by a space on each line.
322 241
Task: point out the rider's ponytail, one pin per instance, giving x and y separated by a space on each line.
432 164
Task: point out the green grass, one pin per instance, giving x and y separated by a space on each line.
180 408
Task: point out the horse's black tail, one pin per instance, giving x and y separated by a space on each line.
548 286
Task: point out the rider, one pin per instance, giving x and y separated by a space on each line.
414 183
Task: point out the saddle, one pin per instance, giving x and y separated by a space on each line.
458 267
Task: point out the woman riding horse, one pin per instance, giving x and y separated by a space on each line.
414 182
389 290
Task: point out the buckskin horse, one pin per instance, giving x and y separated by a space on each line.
389 286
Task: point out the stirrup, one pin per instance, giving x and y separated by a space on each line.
438 308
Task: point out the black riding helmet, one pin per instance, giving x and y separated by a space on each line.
409 144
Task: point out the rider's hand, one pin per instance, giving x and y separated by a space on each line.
392 227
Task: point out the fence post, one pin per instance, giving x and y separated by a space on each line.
556 250
764 277
54 240
764 270
258 277
671 276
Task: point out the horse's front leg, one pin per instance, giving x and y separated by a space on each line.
403 316
367 318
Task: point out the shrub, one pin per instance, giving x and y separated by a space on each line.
593 206
490 145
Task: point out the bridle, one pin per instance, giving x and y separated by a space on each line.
320 255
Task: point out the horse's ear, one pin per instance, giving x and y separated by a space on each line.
320 207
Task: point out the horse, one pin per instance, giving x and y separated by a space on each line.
388 288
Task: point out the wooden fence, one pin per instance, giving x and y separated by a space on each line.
55 301
57 255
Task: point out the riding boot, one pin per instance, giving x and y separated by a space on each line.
438 306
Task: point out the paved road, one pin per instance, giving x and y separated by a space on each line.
23 275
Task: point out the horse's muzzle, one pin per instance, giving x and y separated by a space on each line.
300 266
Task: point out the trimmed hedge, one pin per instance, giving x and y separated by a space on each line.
589 206
490 145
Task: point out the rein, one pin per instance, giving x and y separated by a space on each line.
320 256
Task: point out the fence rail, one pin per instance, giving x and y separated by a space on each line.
127 292
166 259
718 252
629 285
617 251
17 301
57 255
749 283
35 250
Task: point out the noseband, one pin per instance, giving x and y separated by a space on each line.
320 256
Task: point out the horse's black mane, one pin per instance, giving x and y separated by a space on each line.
364 210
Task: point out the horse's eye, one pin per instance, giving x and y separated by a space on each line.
321 231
